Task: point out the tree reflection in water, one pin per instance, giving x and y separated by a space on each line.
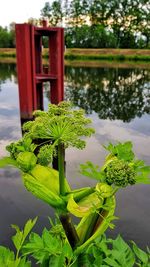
113 93
7 71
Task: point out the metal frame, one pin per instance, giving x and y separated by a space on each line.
31 73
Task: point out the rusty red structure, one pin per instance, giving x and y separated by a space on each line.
31 71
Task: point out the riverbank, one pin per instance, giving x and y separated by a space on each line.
108 54
93 54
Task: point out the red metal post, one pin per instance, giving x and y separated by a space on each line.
30 69
56 52
24 69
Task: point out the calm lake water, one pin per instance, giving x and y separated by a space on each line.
117 99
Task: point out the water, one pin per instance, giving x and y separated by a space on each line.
117 99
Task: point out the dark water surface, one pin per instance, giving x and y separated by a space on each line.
118 102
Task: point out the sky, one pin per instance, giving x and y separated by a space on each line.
19 10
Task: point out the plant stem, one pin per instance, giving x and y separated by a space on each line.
61 169
70 230
91 227
65 218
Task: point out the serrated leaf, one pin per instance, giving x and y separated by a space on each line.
41 248
119 243
92 171
57 261
141 255
6 256
28 227
67 250
20 236
122 151
24 263
143 174
98 261
121 252
111 262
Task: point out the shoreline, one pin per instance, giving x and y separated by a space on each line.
72 54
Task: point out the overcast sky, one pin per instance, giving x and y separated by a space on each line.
19 10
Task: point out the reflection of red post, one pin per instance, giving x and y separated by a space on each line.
31 73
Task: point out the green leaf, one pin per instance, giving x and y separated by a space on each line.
8 161
98 260
112 262
17 239
57 261
122 253
122 151
24 263
7 259
41 248
20 236
119 243
28 227
141 255
92 171
6 256
143 175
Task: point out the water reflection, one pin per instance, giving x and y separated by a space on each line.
113 93
7 71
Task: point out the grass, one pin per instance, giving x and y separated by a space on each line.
109 54
93 54
7 52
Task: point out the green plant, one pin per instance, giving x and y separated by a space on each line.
7 257
52 249
48 136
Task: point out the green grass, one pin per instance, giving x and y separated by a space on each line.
93 54
7 52
120 57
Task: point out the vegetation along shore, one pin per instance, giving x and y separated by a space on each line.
92 54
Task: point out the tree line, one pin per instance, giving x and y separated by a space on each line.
94 23
101 23
7 36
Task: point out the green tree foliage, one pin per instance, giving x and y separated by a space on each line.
53 13
124 23
6 38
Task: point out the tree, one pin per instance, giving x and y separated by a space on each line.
5 38
53 13
99 12
128 18
92 22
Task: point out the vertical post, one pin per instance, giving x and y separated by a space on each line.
24 69
56 58
37 69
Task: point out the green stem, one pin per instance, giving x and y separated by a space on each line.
91 227
115 191
65 218
61 169
81 193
